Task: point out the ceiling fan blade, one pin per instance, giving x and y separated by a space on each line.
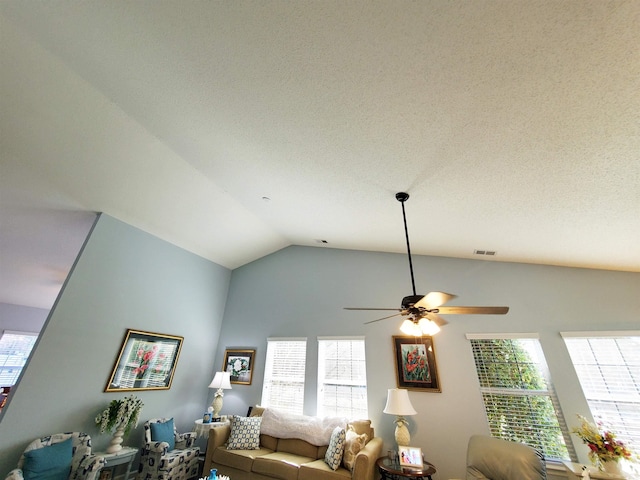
366 308
435 318
434 299
473 310
383 318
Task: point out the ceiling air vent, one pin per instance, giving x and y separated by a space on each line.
489 253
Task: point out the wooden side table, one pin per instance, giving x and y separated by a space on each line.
124 456
391 470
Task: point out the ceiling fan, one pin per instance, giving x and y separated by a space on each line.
423 311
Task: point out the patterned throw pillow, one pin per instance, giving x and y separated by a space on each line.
352 445
245 433
333 457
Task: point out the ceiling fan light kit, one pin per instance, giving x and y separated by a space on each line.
422 311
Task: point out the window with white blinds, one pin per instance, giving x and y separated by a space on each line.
608 367
15 348
342 377
519 399
283 386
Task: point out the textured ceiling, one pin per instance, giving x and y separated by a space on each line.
515 127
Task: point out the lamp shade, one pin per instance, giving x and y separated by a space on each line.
221 380
398 403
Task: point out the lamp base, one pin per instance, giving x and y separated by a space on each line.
402 432
217 402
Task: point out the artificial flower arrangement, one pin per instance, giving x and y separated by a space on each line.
123 413
603 445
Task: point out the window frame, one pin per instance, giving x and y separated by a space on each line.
323 381
548 392
601 404
26 356
288 394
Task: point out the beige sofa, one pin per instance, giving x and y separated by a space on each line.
290 458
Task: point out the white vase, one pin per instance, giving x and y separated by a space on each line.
116 442
612 467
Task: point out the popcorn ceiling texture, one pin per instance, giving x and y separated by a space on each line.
514 126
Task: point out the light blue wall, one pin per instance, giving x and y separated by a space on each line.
301 292
124 278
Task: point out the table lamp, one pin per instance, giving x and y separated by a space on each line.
398 404
221 381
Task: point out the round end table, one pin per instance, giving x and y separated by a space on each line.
392 470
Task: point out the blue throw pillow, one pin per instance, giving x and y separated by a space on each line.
163 432
52 462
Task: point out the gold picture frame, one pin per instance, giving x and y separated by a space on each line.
239 362
147 361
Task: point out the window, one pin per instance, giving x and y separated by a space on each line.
608 367
518 395
283 385
342 377
15 348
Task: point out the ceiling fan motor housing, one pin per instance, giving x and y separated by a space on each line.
410 301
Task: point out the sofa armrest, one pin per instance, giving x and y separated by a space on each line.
365 464
473 474
15 474
217 436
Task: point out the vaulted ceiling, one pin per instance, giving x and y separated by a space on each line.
234 129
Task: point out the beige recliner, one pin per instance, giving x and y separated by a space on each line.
496 459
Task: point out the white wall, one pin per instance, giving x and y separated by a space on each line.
301 291
21 318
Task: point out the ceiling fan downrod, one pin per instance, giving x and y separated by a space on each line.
403 197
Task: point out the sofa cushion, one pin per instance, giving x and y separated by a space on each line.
362 426
245 433
284 466
333 457
297 447
267 441
353 443
319 470
239 459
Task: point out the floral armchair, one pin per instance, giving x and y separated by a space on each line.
158 461
84 464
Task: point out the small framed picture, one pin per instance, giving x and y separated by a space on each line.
239 362
410 457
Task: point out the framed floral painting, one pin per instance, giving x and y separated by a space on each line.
239 363
416 363
147 361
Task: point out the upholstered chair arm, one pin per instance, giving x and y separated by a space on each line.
185 440
156 448
365 464
15 474
89 468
